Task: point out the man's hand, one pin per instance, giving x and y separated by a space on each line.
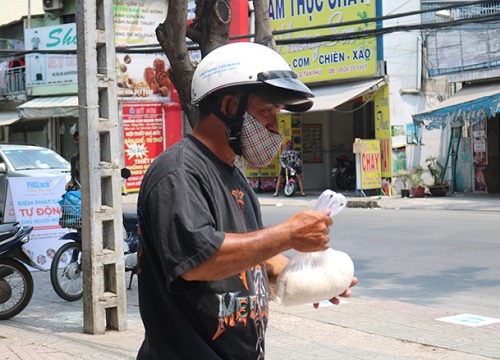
309 231
346 293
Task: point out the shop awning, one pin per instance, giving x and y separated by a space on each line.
471 103
8 118
47 107
329 97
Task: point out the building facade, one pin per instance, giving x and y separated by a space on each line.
409 91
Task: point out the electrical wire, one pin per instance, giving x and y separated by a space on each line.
370 33
399 7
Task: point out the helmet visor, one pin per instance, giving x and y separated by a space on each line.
284 79
284 88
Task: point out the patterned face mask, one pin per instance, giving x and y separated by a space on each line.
259 145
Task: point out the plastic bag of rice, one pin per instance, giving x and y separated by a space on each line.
316 276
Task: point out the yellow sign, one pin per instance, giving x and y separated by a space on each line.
382 113
370 165
383 129
327 60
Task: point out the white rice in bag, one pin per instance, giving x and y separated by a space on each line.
314 277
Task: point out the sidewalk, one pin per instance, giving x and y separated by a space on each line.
458 201
52 329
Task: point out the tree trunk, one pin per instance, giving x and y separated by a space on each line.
171 36
263 31
210 29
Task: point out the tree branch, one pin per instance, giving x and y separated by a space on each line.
210 29
171 35
263 31
214 17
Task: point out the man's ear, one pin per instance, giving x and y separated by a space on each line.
229 105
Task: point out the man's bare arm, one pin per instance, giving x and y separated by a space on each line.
307 231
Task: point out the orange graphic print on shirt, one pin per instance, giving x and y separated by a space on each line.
236 310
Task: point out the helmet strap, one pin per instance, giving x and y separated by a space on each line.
233 123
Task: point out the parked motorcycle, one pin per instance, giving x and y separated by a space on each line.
66 267
290 186
16 281
344 174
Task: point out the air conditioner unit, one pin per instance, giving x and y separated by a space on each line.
51 5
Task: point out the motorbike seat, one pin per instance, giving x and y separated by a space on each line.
8 232
130 217
130 221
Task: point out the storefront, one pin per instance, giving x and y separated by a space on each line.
341 114
7 118
475 109
46 121
351 96
148 119
51 121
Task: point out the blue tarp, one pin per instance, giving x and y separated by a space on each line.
471 104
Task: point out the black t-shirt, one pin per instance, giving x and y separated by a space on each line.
188 200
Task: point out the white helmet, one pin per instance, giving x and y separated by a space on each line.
245 63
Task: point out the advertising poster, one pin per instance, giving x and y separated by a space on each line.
35 202
143 77
480 154
144 138
139 76
312 143
479 146
136 21
51 69
325 60
411 134
370 163
398 136
399 158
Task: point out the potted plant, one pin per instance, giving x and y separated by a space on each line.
404 177
437 170
417 189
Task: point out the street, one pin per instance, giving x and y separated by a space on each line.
436 258
413 268
441 258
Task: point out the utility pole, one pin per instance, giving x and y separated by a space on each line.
104 299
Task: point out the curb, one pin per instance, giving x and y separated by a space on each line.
366 204
459 201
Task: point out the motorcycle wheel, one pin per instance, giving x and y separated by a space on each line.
290 188
16 288
66 271
347 179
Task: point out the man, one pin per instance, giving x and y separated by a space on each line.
38 68
205 260
74 182
35 41
289 157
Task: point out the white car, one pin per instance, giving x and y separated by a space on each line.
28 160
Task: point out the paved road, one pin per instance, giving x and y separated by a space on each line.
51 328
362 328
